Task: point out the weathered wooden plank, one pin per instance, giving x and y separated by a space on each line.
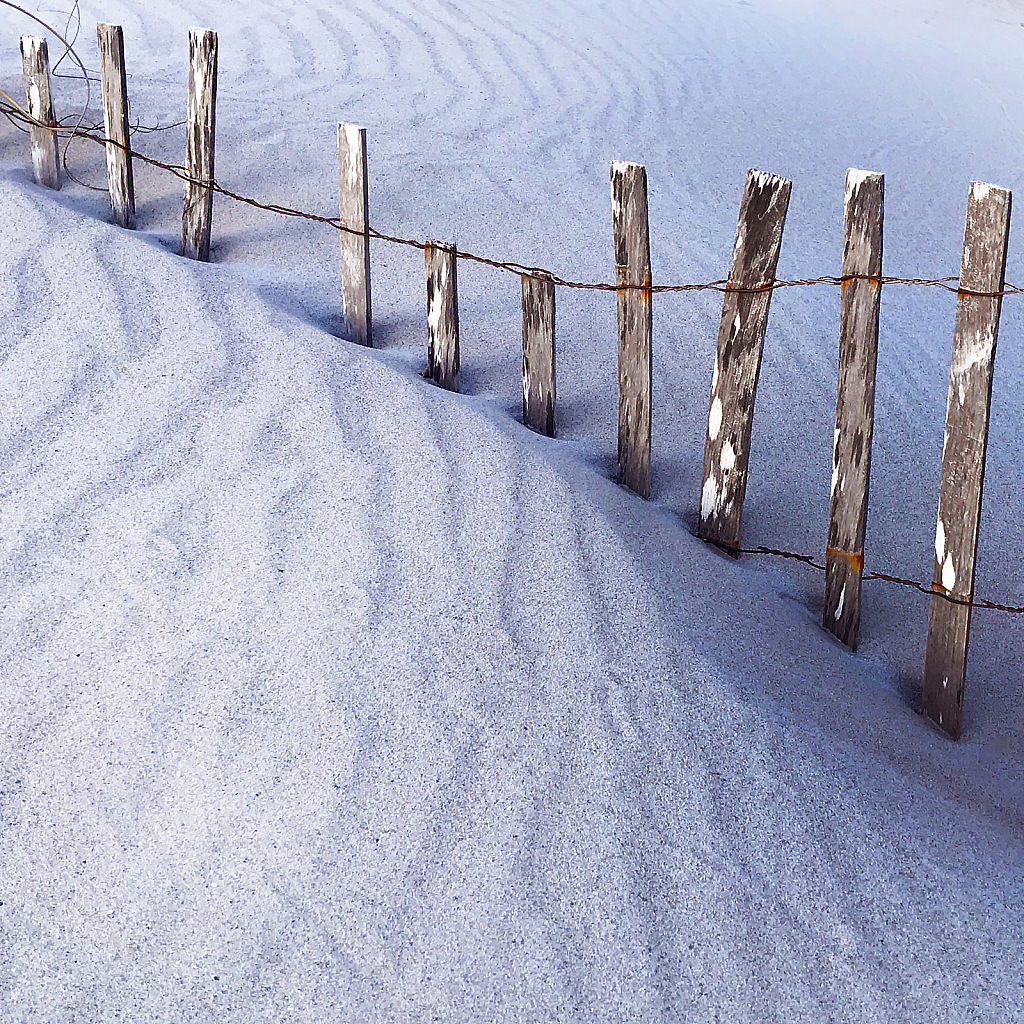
539 353
200 125
355 248
855 402
120 180
442 315
755 256
633 301
35 65
963 456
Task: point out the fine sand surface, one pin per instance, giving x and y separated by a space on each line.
329 696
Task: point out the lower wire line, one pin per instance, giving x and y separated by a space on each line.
935 590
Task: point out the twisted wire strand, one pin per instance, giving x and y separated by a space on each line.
17 113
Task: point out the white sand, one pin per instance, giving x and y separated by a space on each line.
330 696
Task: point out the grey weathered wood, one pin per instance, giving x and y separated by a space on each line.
120 180
855 402
963 456
755 256
442 315
355 248
200 128
35 65
539 353
633 301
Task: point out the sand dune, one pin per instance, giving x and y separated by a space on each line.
332 696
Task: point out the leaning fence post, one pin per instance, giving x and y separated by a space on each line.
199 143
633 301
855 402
539 353
963 455
355 238
755 256
115 122
442 315
35 65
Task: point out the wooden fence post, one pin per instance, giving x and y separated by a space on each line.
633 301
963 456
199 143
539 353
355 248
855 402
115 122
755 256
442 315
35 65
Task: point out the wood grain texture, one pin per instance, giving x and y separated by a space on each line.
963 456
855 402
120 179
355 248
633 301
442 315
755 256
539 353
200 131
35 66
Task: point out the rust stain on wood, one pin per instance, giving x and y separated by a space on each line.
854 559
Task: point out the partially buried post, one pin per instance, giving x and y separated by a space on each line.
355 237
113 79
539 352
755 255
978 306
633 308
200 127
855 403
442 315
35 64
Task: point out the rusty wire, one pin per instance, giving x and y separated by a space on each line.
935 590
723 285
16 113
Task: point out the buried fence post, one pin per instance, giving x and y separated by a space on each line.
755 256
855 402
963 456
539 353
442 315
115 122
355 238
35 65
199 144
633 302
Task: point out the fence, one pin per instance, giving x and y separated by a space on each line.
747 296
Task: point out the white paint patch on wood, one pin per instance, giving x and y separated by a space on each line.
715 418
948 573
